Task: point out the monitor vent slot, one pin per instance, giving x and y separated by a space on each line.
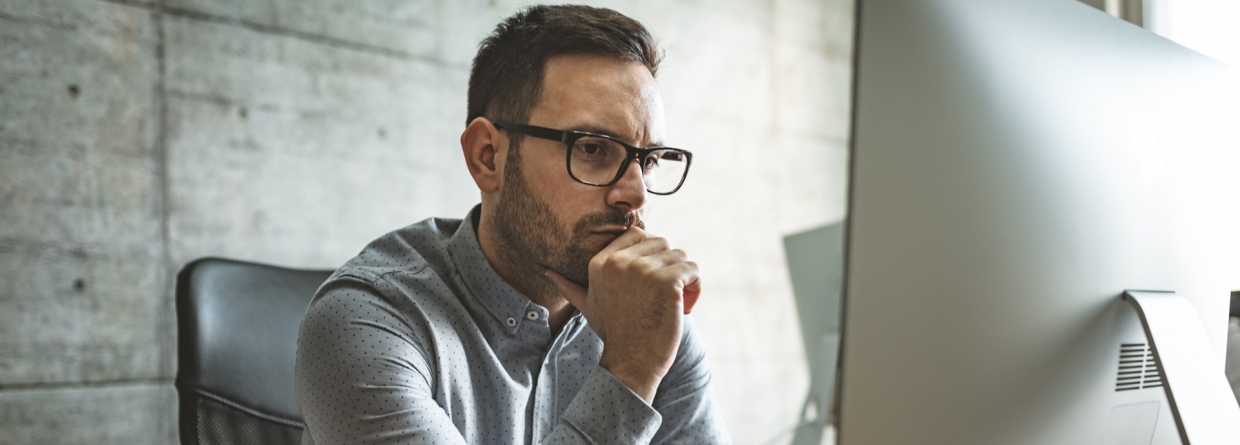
1137 368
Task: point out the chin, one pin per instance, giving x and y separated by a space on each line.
597 243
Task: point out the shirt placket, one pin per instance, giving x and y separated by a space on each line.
545 388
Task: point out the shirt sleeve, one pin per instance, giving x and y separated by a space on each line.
361 377
606 411
685 399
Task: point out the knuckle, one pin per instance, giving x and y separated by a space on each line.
643 264
666 274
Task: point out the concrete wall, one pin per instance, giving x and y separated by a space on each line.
137 135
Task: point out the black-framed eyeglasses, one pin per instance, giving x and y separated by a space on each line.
601 160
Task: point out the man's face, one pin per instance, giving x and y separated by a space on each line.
544 215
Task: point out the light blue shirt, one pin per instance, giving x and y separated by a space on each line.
417 341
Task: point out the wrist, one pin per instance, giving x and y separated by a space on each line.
642 380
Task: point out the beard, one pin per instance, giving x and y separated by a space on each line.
532 236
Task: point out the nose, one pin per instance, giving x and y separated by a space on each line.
629 192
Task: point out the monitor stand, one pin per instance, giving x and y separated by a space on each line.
1201 400
817 414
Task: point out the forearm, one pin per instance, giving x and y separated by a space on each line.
606 410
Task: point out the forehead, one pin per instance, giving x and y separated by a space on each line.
601 93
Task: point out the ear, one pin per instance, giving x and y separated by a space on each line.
481 144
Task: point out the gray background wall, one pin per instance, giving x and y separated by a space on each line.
136 135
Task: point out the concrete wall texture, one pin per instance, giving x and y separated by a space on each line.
137 135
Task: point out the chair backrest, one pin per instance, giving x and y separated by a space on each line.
237 326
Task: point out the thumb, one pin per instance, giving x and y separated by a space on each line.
576 295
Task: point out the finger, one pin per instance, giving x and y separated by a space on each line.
685 274
665 258
630 237
648 247
691 293
694 287
689 279
576 295
690 300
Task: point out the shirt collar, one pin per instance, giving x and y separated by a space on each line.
508 306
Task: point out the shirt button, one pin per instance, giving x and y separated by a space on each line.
512 321
532 315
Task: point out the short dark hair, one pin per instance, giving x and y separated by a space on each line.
506 79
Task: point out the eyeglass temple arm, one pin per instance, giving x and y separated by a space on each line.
538 132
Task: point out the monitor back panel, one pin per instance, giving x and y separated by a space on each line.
1017 165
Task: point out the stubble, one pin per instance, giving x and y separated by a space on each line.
533 239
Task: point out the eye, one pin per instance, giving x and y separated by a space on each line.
651 161
589 148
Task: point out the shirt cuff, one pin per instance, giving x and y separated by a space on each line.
606 411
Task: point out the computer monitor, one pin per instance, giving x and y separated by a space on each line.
1017 165
816 266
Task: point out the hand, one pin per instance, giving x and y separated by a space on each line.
638 292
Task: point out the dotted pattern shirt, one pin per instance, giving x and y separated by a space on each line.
418 341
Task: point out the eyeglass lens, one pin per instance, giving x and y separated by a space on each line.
597 160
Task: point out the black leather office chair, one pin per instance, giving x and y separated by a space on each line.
237 327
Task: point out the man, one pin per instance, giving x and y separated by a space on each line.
549 315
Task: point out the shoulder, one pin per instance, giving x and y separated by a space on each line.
407 269
408 249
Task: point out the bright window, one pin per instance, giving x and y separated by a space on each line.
1211 27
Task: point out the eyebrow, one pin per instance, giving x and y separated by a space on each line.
588 128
